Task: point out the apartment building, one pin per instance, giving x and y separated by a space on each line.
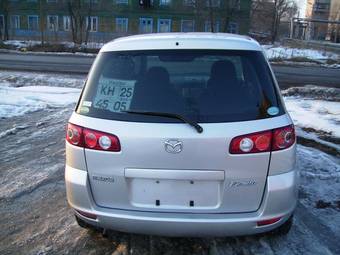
322 11
107 19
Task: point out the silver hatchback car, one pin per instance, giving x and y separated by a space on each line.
182 134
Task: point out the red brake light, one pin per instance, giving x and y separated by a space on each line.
260 143
74 135
270 140
283 138
91 139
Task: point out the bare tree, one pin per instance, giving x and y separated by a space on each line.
232 8
204 10
281 9
42 17
4 29
79 13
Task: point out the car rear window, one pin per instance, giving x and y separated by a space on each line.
203 85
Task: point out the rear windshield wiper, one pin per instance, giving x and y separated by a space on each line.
170 115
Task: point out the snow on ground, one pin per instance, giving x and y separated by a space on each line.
23 92
24 44
20 79
21 44
316 114
320 185
286 53
20 100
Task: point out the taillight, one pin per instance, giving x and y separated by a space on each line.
283 138
74 135
91 139
276 139
251 143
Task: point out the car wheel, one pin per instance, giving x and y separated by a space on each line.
284 228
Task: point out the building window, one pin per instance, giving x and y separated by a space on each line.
122 1
33 22
15 22
214 3
164 25
207 26
164 2
122 25
188 26
52 22
92 24
189 2
235 4
145 25
233 28
67 23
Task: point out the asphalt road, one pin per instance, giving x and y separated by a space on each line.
287 75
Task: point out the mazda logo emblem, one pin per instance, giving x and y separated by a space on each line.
173 146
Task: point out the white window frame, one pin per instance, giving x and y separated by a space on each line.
214 3
207 26
28 22
126 24
16 24
235 30
122 2
140 24
65 18
164 2
189 2
193 24
49 24
159 25
91 18
232 2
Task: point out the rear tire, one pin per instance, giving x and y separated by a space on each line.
284 228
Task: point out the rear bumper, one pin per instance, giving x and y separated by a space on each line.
279 201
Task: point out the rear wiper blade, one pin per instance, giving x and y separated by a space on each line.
170 115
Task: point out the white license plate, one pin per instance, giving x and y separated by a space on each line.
174 194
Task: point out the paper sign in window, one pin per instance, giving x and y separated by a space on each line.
114 95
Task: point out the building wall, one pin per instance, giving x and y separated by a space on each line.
107 11
318 10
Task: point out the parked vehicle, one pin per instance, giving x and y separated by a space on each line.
182 134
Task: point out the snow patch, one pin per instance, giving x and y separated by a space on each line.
317 114
314 92
20 79
21 100
12 131
287 53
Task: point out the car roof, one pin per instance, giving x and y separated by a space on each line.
167 41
